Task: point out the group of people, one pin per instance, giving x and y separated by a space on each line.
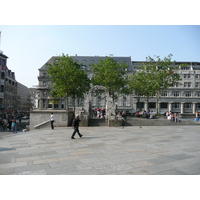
172 116
98 113
145 114
8 124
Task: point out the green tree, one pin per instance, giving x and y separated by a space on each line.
110 74
164 72
68 79
160 74
141 85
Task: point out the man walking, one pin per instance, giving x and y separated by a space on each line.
75 125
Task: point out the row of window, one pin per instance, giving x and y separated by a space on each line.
55 104
189 76
174 105
164 94
2 62
178 94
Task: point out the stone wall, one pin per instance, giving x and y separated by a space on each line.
62 118
114 121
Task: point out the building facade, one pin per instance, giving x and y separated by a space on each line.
3 61
23 100
14 97
44 86
33 94
10 98
183 98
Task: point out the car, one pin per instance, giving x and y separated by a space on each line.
25 117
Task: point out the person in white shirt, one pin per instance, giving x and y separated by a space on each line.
52 120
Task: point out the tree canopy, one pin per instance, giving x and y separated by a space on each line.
68 79
154 77
111 74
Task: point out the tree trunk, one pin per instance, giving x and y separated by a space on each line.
66 102
157 98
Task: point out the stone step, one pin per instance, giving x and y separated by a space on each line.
158 122
97 122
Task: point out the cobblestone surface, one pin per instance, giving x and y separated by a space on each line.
150 150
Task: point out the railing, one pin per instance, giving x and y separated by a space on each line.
41 124
42 86
43 77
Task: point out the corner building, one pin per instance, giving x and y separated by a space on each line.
184 98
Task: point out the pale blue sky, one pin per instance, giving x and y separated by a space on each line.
29 47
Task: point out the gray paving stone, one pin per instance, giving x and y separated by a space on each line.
7 171
190 169
172 172
156 168
64 163
103 150
37 172
84 172
4 159
12 165
30 168
161 160
113 168
181 156
61 170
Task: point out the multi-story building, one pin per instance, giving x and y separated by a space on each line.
44 101
33 93
3 61
10 98
183 98
14 97
23 100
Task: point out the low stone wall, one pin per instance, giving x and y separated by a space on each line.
186 115
62 118
84 121
114 121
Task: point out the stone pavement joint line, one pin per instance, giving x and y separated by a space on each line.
150 150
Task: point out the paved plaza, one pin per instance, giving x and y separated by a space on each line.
134 150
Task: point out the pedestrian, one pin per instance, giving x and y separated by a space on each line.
197 117
75 125
4 124
9 124
14 125
148 114
176 118
123 118
98 112
103 112
52 120
1 125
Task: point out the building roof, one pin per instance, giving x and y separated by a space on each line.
88 60
2 55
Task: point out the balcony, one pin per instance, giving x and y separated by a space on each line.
40 78
42 87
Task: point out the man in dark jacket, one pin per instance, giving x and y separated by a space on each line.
75 125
